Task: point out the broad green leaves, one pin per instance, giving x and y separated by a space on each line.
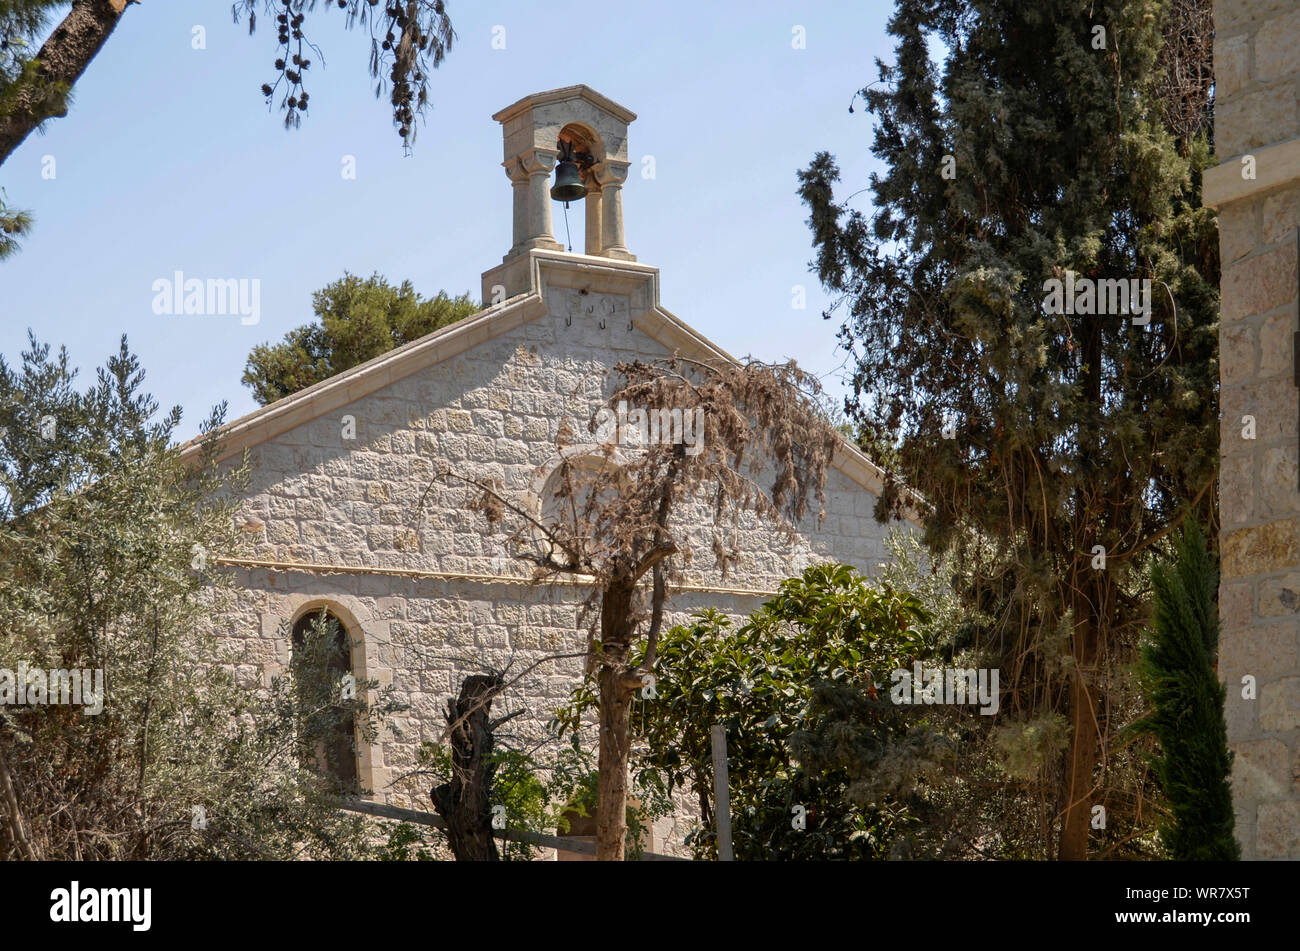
759 678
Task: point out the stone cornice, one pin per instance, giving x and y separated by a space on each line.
366 378
1275 166
580 91
527 580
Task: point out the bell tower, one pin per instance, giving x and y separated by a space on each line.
575 120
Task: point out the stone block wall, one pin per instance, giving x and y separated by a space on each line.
1257 191
492 412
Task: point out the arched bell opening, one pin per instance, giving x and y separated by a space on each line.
580 153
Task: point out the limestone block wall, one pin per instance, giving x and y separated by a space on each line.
325 499
1257 190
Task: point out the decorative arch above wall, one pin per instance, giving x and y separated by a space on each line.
541 499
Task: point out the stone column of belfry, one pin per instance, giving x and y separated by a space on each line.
611 175
595 215
519 178
538 163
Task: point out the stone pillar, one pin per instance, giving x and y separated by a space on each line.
519 179
595 216
611 176
1256 188
538 163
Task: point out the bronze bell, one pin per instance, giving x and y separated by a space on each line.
568 180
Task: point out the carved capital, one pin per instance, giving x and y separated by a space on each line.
515 170
610 172
538 161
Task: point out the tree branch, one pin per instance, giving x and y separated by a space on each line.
579 565
653 557
41 91
16 824
504 686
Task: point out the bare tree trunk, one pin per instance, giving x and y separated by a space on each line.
1089 604
617 687
463 801
611 806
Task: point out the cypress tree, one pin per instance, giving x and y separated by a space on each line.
1054 439
1178 673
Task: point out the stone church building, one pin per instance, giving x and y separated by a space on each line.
1256 189
338 470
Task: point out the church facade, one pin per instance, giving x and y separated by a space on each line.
339 508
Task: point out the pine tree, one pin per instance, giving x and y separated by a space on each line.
357 321
1178 671
1053 444
40 64
20 22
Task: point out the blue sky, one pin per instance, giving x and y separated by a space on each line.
169 160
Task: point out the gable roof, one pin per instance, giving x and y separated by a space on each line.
547 268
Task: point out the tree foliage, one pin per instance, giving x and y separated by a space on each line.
356 320
545 789
106 541
1186 696
773 682
408 40
1039 145
14 223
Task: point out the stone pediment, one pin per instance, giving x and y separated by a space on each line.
574 287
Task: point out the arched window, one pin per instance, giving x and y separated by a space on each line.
564 497
330 746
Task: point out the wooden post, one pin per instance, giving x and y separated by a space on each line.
721 792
